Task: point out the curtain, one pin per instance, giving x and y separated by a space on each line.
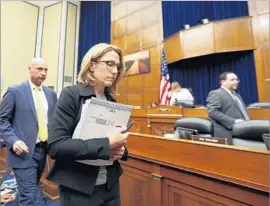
201 74
95 25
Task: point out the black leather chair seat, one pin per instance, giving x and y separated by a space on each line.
251 130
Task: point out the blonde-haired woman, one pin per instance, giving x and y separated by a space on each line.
81 184
180 94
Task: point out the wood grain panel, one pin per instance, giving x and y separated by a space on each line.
151 80
135 99
133 6
262 7
138 186
263 31
133 42
119 10
245 169
133 22
138 30
262 73
155 57
160 129
134 83
122 98
151 14
122 86
146 3
140 126
147 38
150 96
119 27
172 48
181 194
197 41
200 112
233 35
120 42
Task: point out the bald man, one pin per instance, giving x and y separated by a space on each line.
25 111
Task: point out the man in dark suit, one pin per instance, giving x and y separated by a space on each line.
226 107
25 111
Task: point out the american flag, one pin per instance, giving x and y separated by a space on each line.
165 85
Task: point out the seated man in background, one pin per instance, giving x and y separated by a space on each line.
180 94
225 106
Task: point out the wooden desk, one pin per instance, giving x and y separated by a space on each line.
162 172
160 120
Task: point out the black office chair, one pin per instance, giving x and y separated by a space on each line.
203 126
260 105
249 133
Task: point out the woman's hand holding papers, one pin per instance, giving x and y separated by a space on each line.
117 153
117 143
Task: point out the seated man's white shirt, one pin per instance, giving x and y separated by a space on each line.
183 95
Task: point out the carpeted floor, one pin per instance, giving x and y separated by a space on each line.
48 204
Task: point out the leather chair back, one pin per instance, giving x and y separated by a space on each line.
249 133
203 126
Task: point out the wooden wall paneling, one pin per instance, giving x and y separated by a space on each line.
147 38
146 3
139 29
263 31
133 22
172 48
259 10
119 27
134 83
135 99
121 98
119 10
155 55
151 80
151 14
262 7
122 86
150 96
262 73
120 42
133 6
192 43
133 42
233 35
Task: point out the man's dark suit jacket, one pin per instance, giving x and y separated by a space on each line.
65 150
223 111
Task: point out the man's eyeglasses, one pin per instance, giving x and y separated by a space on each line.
110 65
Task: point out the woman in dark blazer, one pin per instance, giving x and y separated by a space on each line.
81 184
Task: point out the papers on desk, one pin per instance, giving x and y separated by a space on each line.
100 119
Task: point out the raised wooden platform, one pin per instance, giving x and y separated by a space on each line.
172 172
